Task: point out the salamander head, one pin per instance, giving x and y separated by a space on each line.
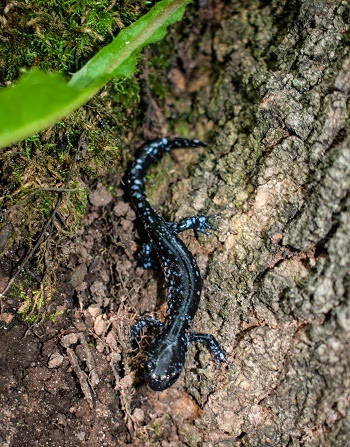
165 361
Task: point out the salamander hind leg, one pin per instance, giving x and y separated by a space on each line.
147 320
200 224
214 346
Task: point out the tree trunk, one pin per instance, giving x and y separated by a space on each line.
277 283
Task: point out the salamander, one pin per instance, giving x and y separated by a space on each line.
168 350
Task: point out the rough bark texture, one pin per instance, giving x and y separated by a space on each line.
277 288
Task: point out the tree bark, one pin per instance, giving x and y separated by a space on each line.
277 284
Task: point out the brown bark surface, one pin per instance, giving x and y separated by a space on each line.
277 286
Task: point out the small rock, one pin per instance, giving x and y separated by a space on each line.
131 215
99 346
5 235
100 197
97 287
81 287
81 436
22 307
100 325
111 340
70 339
127 380
126 224
78 275
55 360
6 318
61 419
139 415
94 310
121 209
115 357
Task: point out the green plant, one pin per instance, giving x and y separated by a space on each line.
41 99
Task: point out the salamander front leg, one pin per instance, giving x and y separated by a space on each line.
213 344
147 320
200 224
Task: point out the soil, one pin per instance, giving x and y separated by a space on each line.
77 381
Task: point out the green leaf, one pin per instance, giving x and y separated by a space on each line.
119 57
40 99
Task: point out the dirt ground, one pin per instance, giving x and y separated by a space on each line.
77 381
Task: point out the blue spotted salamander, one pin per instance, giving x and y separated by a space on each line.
168 350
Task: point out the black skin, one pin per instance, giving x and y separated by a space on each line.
168 350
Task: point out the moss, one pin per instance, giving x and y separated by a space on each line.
159 85
181 128
59 35
156 428
62 35
52 34
17 291
54 315
33 301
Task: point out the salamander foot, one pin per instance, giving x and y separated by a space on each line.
200 224
147 320
214 346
